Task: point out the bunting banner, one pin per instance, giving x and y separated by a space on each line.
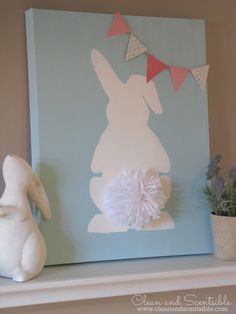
200 74
154 67
135 48
118 26
178 76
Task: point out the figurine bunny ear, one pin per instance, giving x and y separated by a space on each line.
38 195
105 73
151 97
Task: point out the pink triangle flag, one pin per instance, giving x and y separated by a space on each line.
178 76
154 66
118 26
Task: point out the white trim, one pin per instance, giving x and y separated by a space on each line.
118 278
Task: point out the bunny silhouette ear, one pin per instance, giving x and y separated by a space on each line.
105 73
151 97
38 195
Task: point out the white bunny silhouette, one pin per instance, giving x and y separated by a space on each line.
22 247
127 142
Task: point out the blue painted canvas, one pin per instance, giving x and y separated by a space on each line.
99 130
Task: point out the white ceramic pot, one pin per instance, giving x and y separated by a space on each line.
224 237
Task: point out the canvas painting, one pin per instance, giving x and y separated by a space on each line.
121 151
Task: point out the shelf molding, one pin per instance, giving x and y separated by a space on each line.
118 278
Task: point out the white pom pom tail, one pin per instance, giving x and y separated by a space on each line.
135 198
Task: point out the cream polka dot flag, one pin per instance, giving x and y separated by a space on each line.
135 48
200 74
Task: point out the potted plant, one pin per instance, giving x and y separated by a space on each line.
220 192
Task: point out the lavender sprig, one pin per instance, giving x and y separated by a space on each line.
213 168
232 173
220 185
221 193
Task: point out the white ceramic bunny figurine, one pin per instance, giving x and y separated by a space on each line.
22 247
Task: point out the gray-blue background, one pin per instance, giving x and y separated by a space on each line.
67 109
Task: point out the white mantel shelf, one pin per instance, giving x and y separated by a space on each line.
118 278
